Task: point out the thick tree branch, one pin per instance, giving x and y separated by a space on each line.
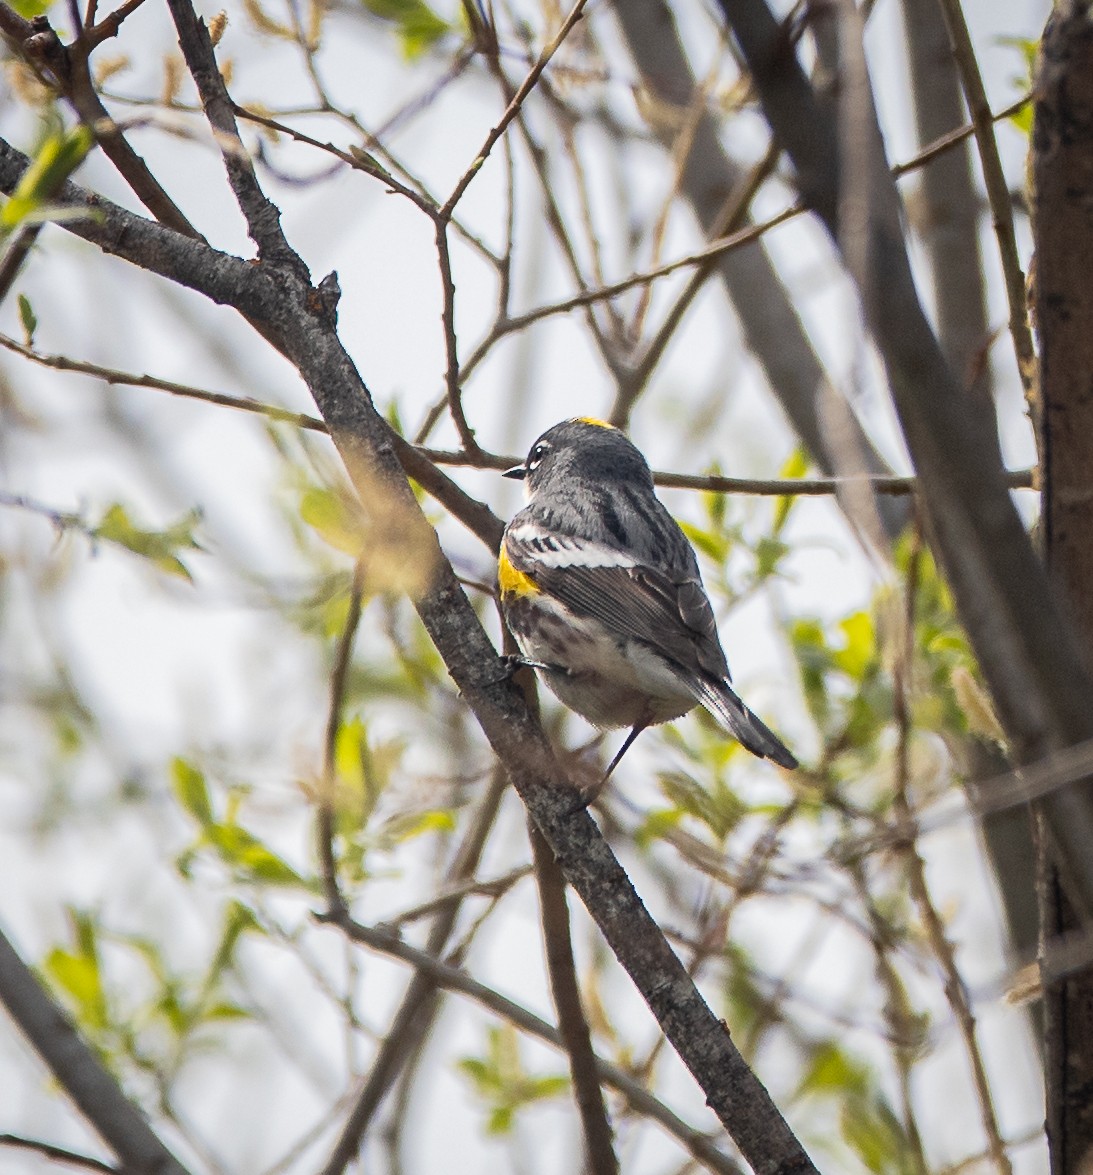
1062 172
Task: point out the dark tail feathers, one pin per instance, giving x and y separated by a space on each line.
749 730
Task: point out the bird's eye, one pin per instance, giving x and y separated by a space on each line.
536 455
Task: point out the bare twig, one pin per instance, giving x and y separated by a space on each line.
513 108
998 194
328 795
262 217
57 1154
955 989
419 1006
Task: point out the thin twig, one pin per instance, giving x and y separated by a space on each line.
760 487
513 108
998 193
955 988
57 1154
262 217
328 795
415 1015
732 216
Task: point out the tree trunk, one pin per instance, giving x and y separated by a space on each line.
1062 162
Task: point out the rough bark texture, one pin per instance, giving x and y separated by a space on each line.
1063 225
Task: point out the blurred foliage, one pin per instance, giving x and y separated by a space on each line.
143 1015
249 860
160 547
57 158
502 1082
1029 49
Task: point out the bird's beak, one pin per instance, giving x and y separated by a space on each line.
517 472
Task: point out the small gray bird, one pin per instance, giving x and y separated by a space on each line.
602 591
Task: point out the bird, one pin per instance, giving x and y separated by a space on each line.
602 591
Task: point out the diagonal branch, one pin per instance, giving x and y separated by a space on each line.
116 1119
262 217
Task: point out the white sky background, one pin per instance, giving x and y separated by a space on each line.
161 664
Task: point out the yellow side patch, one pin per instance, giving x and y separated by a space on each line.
592 420
513 581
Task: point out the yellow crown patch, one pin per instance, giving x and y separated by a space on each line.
594 420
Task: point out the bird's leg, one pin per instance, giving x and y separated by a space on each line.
511 662
589 795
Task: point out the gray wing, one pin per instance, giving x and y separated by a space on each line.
668 612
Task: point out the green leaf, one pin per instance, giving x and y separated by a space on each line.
418 26
79 978
859 652
500 1120
29 9
191 791
502 1082
1022 119
769 552
161 547
720 810
238 920
335 518
795 467
245 852
77 972
57 158
225 1011
710 543
1029 48
409 825
656 825
814 661
28 319
877 1136
832 1071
